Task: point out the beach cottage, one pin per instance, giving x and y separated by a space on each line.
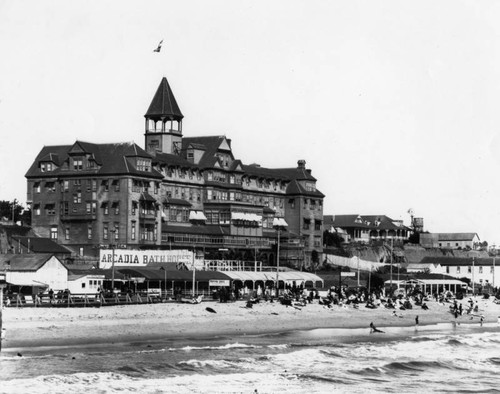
29 273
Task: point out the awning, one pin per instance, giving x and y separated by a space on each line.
285 276
279 222
145 196
251 217
27 283
197 215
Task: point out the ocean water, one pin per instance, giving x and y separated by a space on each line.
440 358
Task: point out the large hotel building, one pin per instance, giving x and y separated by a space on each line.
176 193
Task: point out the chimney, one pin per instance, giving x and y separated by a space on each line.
301 164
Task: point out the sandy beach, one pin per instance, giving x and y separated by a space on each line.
46 326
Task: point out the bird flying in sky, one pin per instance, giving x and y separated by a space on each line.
158 49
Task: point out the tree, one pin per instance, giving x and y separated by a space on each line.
9 208
332 239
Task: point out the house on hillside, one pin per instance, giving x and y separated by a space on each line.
482 271
430 268
450 240
366 228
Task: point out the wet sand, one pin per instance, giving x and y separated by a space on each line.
40 327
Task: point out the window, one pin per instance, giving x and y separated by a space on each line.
105 231
50 209
231 179
210 176
94 185
77 198
105 207
310 187
306 224
77 164
116 207
317 242
53 232
66 233
77 183
89 232
143 165
317 224
36 209
133 232
66 186
36 187
105 184
117 231
116 184
157 186
134 207
225 217
50 187
291 202
65 208
88 208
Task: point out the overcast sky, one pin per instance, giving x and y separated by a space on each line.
393 104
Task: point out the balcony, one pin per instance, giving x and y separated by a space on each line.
215 241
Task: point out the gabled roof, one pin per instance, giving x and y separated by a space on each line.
113 159
459 261
211 145
456 236
41 245
24 262
373 222
295 188
164 105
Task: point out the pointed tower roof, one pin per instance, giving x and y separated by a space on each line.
164 104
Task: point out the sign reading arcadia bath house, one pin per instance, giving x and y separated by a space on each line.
141 258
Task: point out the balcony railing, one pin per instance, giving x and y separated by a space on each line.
189 239
75 216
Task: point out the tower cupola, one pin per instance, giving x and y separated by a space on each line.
163 122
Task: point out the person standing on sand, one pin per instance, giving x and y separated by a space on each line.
373 328
416 320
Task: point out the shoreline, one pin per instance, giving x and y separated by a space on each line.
39 328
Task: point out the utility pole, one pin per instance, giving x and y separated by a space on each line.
13 210
391 266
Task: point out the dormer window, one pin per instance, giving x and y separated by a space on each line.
143 165
310 187
44 167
